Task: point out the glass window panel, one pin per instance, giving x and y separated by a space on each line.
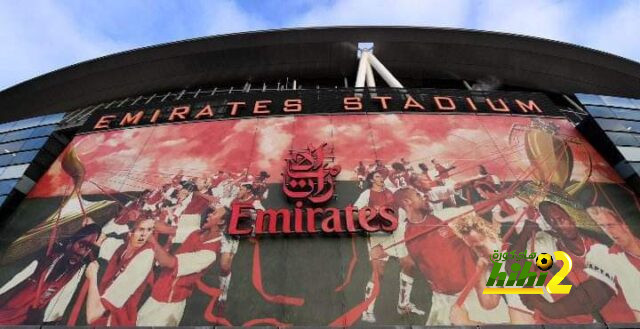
6 126
7 185
2 198
17 135
7 137
636 103
27 123
52 118
590 99
24 157
14 171
630 153
42 131
624 169
31 144
624 139
617 101
633 125
11 147
626 114
6 159
614 125
636 167
600 111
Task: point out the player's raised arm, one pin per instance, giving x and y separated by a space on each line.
164 258
528 232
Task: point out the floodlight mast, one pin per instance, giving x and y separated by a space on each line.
368 63
362 70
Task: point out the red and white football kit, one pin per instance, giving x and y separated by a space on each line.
373 199
19 304
123 284
172 288
187 215
618 269
615 310
398 180
448 264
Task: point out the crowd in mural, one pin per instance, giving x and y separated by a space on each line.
142 266
165 239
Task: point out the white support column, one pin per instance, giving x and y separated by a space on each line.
362 70
370 79
382 70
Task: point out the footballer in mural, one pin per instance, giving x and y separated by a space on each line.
132 227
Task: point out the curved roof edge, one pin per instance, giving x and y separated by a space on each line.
411 53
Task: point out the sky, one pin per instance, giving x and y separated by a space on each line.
40 36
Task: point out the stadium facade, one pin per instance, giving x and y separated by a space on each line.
349 176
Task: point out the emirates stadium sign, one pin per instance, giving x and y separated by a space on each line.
298 102
309 182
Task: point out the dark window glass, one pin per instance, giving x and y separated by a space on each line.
27 123
7 185
11 147
6 126
636 167
23 157
42 131
18 134
590 99
52 118
600 111
31 122
630 153
624 169
614 125
624 139
6 159
32 144
2 198
617 101
13 171
635 126
626 114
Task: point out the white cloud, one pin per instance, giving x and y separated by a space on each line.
225 16
380 12
611 27
618 32
544 18
41 36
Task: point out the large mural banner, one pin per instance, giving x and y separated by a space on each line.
338 220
